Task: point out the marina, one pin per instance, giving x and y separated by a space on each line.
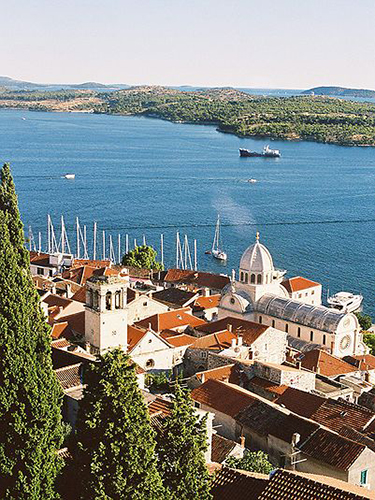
191 174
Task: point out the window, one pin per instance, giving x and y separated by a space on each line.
232 301
299 295
252 278
118 300
259 279
150 363
312 293
242 276
40 270
260 319
324 340
266 347
108 301
145 303
311 336
299 331
246 278
273 323
286 327
364 477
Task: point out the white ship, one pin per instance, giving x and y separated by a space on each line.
69 176
216 251
345 302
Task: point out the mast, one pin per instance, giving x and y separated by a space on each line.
103 241
126 243
86 255
77 227
39 242
94 250
215 243
48 234
195 256
119 248
162 249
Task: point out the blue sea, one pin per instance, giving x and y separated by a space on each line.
314 207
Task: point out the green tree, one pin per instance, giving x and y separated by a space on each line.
369 340
365 320
252 461
116 444
181 446
142 257
30 397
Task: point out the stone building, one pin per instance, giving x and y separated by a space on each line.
259 295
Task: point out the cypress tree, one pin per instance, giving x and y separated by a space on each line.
30 397
181 446
116 457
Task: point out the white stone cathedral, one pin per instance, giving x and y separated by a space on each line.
259 296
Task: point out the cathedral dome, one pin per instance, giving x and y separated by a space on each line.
257 259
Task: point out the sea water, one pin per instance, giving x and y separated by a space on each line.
314 207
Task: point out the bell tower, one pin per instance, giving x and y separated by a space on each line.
106 313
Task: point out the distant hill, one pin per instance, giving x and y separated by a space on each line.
340 92
11 84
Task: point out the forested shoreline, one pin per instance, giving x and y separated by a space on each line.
321 119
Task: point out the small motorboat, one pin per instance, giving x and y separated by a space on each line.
69 176
252 181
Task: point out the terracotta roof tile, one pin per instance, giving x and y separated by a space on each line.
208 302
80 295
328 365
174 296
160 405
171 319
91 263
291 485
215 341
76 322
363 362
40 259
298 283
332 449
198 278
69 376
223 373
61 330
237 485
248 330
222 397
220 448
134 336
268 385
179 340
300 402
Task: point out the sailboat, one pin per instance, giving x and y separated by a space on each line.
216 251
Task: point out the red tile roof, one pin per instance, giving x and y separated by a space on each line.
334 414
215 341
267 385
231 484
222 397
179 340
91 263
332 449
40 259
364 361
248 330
291 485
222 373
69 376
160 405
61 330
134 336
325 364
80 295
170 320
298 283
221 448
76 322
198 278
208 302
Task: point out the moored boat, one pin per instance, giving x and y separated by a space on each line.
69 176
345 301
266 153
216 251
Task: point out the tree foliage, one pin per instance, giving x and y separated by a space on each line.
181 446
30 397
116 457
252 461
142 257
365 320
369 340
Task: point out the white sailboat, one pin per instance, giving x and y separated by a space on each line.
216 251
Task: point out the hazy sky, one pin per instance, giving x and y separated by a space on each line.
248 43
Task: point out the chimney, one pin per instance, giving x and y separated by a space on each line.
53 289
229 328
233 343
68 291
242 442
206 292
239 343
367 377
298 365
295 439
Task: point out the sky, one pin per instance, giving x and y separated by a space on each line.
241 43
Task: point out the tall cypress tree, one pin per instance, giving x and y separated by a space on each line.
180 449
30 397
116 457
